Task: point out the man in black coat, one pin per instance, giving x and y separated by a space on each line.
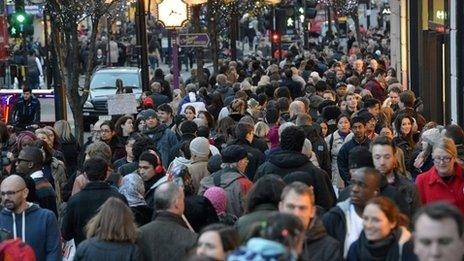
85 204
358 126
298 199
290 159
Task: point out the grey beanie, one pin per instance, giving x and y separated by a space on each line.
200 147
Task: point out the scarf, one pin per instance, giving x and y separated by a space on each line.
133 189
386 249
156 133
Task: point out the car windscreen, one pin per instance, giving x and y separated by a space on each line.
108 79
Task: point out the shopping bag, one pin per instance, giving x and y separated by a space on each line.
68 250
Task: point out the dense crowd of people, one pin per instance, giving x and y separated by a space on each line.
321 156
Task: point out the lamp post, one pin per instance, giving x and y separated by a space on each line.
196 8
173 14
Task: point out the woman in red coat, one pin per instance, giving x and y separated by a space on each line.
445 180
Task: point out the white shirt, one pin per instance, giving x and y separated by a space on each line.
353 229
37 174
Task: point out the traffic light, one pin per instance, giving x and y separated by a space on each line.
275 37
20 23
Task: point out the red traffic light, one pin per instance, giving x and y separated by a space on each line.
275 37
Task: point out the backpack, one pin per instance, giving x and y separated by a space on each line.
16 250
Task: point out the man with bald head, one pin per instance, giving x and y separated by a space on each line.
35 226
29 165
167 237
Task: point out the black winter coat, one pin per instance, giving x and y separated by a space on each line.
285 162
83 206
318 245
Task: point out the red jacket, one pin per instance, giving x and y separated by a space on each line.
432 187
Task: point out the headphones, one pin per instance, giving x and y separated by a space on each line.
159 168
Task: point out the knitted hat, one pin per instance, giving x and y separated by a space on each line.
218 198
360 157
433 135
233 153
148 113
200 147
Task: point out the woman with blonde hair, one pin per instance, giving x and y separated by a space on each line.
445 180
69 145
111 234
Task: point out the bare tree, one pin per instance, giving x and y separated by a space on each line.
65 18
348 8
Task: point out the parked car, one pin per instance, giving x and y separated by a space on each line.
103 85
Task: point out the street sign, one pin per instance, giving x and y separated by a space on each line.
193 40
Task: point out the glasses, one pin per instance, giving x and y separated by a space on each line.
10 193
442 159
105 130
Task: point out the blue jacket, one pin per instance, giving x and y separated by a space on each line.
165 139
41 230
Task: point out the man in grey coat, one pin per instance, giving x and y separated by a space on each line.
167 237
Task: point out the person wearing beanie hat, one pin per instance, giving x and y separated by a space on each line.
217 196
198 168
147 113
231 178
164 138
358 127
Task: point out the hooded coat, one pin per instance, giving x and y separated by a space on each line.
40 230
285 162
